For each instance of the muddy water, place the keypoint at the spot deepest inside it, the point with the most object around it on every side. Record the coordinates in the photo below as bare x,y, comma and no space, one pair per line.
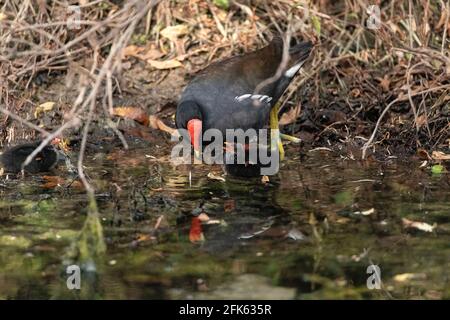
311,232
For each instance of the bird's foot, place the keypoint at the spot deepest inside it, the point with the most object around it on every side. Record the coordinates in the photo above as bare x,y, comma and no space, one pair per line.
280,149
276,142
290,138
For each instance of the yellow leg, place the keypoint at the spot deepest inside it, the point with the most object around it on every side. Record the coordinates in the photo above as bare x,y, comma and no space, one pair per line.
290,138
273,120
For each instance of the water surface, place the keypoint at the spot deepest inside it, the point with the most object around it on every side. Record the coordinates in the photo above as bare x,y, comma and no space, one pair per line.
311,232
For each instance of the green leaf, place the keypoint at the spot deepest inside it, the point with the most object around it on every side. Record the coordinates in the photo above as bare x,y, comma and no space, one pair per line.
344,198
224,4
437,168
316,24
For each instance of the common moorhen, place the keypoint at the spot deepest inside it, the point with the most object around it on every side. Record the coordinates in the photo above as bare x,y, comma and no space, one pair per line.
222,96
12,158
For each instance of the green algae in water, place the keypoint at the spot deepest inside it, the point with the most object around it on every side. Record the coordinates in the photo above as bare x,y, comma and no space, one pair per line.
54,230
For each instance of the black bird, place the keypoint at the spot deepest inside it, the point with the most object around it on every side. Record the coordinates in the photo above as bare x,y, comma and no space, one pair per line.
12,158
222,96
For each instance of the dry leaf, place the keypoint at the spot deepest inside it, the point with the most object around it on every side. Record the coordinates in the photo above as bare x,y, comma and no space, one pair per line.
157,123
290,116
409,276
52,182
158,222
44,107
137,114
151,54
423,154
418,225
442,19
355,92
167,64
138,52
144,237
423,164
132,51
203,217
173,32
421,120
365,212
385,83
216,221
212,176
246,9
439,155
425,28
295,234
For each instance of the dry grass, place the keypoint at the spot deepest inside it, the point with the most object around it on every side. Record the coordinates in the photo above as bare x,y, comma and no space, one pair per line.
36,37
389,84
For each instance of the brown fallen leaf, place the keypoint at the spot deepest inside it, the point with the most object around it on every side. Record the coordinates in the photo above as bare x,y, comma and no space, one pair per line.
173,32
133,51
418,225
439,155
134,113
423,154
151,54
56,181
166,64
144,238
421,120
290,116
138,52
403,277
156,123
365,212
385,83
442,19
52,182
355,93
213,176
44,107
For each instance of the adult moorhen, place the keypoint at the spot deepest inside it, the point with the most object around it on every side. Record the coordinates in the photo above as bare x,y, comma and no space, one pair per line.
11,159
222,96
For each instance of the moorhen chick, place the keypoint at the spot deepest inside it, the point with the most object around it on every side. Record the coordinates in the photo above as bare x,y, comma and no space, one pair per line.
11,159
222,95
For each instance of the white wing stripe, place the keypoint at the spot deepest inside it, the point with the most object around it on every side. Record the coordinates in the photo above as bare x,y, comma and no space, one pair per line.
261,98
293,70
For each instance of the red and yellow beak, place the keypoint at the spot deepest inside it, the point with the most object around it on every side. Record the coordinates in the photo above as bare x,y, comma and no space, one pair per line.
194,127
63,144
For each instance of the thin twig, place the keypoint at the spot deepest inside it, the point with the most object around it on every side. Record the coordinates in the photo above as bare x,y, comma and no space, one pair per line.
369,142
24,121
281,67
